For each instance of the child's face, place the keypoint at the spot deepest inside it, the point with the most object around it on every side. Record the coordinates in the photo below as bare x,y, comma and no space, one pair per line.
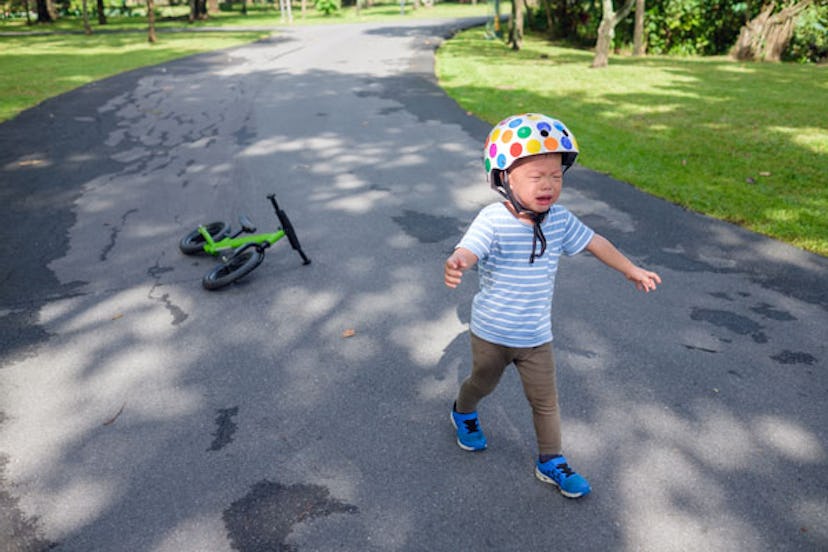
536,181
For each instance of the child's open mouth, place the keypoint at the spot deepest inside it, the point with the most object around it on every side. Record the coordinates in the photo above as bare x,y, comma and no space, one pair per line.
544,199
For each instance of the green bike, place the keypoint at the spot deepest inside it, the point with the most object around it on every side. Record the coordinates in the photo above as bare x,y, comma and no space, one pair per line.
239,254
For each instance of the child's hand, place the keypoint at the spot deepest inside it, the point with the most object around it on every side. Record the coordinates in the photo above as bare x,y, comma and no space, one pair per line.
644,280
460,261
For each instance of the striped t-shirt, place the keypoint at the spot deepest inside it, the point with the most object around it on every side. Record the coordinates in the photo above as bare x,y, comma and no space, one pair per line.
514,304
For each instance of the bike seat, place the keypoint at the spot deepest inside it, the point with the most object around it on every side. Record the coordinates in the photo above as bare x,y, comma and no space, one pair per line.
247,224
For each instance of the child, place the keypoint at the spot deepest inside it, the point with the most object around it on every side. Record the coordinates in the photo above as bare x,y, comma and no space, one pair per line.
517,244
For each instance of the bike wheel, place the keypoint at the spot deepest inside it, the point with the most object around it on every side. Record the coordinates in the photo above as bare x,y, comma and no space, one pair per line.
194,241
236,267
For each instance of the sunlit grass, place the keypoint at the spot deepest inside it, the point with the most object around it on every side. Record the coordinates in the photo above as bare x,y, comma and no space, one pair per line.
264,16
746,143
33,69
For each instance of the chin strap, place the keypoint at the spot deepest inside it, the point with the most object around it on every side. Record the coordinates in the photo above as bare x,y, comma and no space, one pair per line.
537,218
537,235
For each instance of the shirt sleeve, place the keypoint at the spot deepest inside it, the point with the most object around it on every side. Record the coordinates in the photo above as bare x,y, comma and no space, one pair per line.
479,237
577,235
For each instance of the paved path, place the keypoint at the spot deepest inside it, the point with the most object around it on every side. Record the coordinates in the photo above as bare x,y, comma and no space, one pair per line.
143,413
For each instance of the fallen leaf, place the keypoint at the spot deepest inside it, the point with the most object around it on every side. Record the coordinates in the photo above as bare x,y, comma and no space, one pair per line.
764,173
349,333
117,316
749,180
684,162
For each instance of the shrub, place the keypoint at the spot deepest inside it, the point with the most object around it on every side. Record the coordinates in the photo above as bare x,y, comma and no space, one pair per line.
327,7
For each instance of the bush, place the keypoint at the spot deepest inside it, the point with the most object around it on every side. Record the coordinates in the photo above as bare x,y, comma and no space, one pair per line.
809,43
327,7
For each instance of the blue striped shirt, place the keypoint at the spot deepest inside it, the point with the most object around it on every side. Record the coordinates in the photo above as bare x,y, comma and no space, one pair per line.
514,304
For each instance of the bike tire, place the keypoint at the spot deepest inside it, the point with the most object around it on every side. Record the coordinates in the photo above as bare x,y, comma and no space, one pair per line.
236,267
194,242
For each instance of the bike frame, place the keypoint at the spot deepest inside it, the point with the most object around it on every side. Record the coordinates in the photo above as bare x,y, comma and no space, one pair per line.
214,247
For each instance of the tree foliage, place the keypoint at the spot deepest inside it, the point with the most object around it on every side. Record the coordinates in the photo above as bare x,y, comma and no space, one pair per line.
685,27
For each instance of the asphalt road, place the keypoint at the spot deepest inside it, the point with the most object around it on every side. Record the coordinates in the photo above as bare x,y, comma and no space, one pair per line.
143,413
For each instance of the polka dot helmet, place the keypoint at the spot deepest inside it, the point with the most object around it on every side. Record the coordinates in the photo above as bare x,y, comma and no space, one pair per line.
525,135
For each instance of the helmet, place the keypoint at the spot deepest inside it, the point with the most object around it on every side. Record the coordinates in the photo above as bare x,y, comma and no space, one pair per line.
525,135
521,136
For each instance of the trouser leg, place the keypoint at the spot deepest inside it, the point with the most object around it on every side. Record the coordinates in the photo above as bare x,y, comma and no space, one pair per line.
488,362
536,367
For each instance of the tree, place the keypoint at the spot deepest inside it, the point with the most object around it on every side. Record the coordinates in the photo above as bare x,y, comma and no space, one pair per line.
606,30
516,28
766,36
198,10
638,29
87,30
548,9
45,11
101,13
151,38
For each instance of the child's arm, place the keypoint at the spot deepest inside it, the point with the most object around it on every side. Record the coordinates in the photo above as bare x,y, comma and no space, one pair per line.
644,280
462,259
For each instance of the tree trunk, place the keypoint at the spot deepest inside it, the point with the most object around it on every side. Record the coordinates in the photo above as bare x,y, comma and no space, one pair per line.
638,31
606,30
44,12
28,14
548,10
212,7
151,38
101,13
87,30
198,10
766,36
516,28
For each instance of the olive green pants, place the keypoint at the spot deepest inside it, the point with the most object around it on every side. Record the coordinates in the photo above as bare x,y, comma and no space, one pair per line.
536,367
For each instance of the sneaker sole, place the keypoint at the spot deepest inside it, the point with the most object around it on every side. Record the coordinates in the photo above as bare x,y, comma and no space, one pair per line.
546,479
461,445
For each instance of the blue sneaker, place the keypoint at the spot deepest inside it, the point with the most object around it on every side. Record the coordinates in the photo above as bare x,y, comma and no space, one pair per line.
557,472
469,434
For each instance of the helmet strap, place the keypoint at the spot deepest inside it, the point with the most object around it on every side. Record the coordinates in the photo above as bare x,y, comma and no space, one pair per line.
503,187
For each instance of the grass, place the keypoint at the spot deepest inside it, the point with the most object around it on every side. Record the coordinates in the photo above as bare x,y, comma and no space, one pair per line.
34,68
743,142
262,15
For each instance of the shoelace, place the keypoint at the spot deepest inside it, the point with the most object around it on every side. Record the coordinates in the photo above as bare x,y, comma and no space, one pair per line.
564,467
471,425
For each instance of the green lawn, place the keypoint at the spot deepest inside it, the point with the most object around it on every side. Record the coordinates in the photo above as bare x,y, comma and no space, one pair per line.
744,142
34,68
262,15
